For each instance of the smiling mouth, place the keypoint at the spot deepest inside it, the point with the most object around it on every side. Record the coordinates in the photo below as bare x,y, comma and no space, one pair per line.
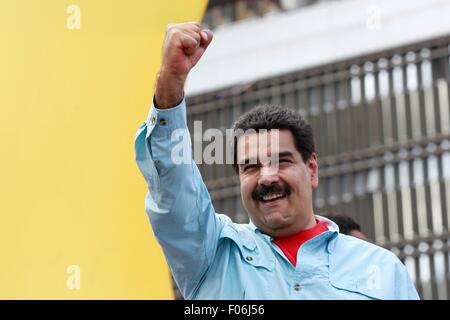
273,196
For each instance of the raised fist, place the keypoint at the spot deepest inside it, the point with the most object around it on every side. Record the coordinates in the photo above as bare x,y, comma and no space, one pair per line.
183,47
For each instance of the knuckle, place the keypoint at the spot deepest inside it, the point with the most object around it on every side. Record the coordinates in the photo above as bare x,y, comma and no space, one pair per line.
193,26
174,32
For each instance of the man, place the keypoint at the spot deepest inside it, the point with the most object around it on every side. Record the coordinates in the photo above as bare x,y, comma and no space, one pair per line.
286,252
347,226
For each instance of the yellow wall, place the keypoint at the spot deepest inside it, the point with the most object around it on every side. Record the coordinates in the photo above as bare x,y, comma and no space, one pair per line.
70,103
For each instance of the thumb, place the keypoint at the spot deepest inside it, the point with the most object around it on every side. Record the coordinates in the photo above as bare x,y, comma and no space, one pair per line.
206,38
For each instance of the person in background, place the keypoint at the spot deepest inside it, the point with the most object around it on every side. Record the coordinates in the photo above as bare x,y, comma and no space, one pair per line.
347,226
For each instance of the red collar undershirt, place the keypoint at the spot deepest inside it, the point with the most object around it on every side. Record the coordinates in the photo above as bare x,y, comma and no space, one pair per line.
291,244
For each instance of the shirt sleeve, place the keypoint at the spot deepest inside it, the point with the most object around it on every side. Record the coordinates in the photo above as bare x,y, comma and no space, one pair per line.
177,202
404,286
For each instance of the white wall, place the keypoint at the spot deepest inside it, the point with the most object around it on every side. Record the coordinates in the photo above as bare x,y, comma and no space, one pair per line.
285,42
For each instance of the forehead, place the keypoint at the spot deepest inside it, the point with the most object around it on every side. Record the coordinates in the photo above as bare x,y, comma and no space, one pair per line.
263,143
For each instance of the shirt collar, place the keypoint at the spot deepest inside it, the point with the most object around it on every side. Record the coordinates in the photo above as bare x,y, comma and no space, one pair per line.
332,232
331,225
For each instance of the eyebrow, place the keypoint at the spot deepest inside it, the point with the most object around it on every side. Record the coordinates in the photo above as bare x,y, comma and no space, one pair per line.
283,154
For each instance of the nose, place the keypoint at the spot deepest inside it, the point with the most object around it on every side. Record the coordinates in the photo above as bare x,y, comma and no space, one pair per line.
268,175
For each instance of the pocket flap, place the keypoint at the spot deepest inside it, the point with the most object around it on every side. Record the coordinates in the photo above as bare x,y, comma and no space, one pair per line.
248,247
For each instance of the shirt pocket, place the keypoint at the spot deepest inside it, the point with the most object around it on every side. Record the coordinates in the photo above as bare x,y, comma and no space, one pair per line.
353,292
249,251
365,283
255,268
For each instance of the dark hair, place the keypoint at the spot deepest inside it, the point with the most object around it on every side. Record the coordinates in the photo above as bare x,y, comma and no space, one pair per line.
345,223
276,117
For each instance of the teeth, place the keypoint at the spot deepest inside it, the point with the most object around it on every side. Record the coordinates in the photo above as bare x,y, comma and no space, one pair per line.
272,196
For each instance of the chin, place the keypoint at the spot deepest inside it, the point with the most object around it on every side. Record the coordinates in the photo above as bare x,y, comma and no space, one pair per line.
275,220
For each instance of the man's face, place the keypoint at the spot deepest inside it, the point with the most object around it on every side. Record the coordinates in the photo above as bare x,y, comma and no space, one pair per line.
276,185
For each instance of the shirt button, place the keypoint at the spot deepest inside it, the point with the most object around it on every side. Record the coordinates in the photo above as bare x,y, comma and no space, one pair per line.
297,287
249,258
156,162
162,122
153,120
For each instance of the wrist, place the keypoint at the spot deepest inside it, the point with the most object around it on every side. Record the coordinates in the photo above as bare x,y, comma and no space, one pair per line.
169,89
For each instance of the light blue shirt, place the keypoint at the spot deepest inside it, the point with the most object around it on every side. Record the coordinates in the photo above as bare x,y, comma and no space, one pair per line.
213,258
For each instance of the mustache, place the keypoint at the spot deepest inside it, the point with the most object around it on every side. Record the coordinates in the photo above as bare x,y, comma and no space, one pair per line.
263,190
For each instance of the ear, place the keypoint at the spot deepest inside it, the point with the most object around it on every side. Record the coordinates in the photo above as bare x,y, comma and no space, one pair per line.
313,169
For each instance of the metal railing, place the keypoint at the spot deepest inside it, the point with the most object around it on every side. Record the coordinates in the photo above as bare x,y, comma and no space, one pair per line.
382,130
